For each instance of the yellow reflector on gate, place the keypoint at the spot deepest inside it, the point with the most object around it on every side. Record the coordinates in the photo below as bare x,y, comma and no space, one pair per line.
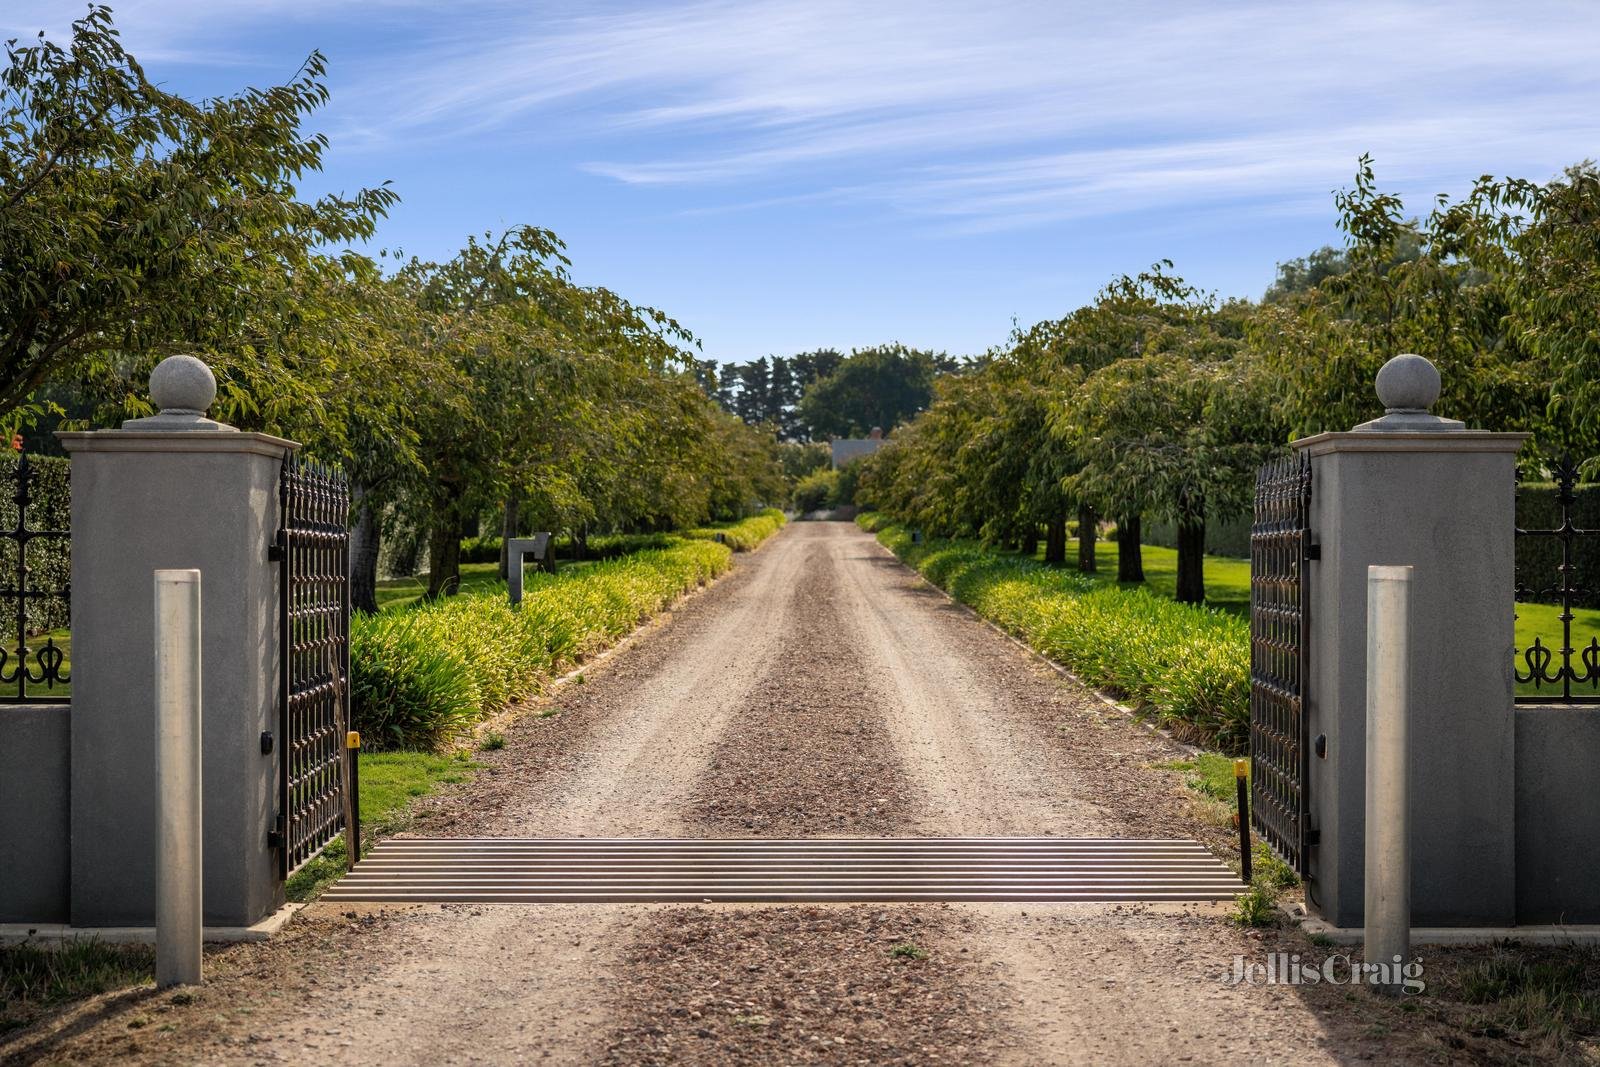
352,740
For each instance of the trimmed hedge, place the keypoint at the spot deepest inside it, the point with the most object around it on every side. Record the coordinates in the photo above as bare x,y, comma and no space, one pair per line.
740,536
422,677
49,558
1538,557
1187,666
744,535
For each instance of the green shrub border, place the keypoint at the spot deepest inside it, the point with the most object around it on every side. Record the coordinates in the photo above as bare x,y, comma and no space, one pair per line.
49,558
1187,667
745,535
422,678
1538,557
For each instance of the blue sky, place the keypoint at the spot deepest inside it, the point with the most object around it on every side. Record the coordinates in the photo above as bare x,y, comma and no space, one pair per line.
782,175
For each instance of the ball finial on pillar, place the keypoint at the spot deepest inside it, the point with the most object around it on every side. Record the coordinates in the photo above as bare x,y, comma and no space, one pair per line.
182,385
182,388
1407,387
1408,383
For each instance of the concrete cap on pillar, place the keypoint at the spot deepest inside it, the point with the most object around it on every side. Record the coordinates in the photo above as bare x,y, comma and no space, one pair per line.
1407,386
182,388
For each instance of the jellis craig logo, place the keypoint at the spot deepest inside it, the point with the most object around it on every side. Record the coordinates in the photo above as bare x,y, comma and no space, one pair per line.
1285,968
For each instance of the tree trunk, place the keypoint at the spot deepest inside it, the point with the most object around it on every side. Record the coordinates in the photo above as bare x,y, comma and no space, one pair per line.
407,552
1130,556
364,545
1086,536
1055,541
1192,561
1030,540
509,520
444,557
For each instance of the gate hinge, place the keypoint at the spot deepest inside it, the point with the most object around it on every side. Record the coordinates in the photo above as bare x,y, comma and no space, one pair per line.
275,835
1313,838
275,550
1313,552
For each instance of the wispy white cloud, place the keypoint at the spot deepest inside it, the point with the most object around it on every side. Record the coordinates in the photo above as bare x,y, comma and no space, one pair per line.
975,115
1070,108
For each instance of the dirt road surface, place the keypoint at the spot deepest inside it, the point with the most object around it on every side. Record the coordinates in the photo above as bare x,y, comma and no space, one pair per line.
822,689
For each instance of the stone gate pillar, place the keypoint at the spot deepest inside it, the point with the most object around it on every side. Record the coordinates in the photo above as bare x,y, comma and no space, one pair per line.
1412,488
173,490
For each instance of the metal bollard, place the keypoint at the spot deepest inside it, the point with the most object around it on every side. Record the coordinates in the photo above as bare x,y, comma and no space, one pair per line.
1387,935
352,798
1241,777
179,909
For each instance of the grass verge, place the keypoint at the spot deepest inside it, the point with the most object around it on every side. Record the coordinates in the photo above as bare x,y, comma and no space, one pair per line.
420,679
1188,667
390,781
744,535
34,979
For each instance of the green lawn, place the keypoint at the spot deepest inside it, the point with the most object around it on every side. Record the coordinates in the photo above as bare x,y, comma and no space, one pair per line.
1227,580
402,592
475,578
390,781
1228,587
63,640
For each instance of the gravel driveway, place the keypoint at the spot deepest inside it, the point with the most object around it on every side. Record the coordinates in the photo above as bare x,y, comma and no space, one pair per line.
821,689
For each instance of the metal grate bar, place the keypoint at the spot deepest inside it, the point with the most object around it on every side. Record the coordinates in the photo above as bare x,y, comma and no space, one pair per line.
593,870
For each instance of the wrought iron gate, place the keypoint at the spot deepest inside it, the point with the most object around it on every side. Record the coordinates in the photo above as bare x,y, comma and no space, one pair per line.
313,546
1280,548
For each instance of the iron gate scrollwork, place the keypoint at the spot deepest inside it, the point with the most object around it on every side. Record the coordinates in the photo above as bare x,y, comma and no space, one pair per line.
1280,549
313,548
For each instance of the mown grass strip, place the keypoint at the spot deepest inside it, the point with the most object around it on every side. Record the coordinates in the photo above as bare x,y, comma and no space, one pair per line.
390,782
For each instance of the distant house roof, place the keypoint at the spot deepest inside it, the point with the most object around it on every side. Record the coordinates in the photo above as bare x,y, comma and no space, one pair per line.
846,449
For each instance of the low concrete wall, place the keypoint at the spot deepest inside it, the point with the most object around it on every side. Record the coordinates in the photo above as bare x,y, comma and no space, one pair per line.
35,813
1558,809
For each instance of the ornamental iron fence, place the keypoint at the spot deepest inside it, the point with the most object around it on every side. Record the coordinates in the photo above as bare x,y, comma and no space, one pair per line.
35,580
1566,667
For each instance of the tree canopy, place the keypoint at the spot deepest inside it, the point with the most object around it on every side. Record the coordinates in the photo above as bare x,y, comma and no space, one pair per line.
134,220
872,387
135,223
